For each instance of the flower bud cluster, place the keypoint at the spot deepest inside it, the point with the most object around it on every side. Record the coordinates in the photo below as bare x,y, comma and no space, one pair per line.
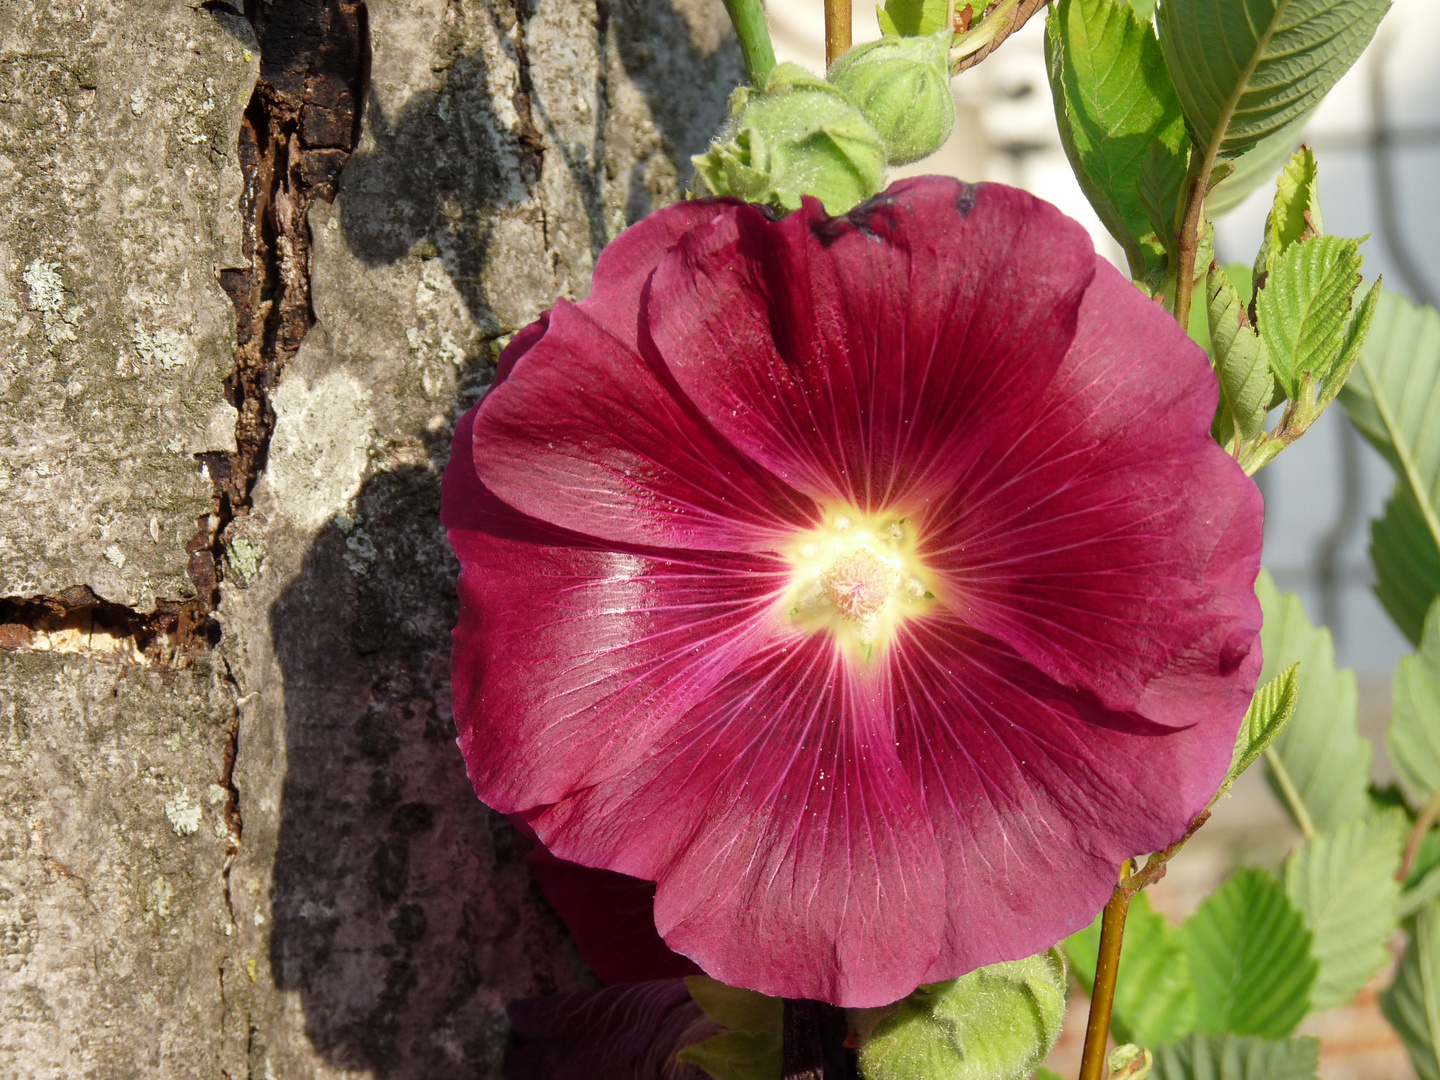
885,102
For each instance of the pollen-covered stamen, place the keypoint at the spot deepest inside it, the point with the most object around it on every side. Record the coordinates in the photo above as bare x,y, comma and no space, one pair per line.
856,577
859,584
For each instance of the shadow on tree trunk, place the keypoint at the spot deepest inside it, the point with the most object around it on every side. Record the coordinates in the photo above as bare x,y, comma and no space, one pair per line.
403,914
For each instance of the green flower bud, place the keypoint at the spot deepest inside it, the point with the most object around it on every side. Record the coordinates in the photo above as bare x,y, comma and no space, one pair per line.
902,85
1130,1062
997,1023
797,136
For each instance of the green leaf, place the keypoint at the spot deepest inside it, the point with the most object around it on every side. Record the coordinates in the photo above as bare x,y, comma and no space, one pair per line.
1413,737
1344,885
1407,564
752,1048
1244,69
1160,187
1113,100
1224,1057
1255,167
1394,398
1241,362
1304,307
913,18
1154,1000
996,1023
1412,1003
1296,213
1270,710
1250,960
1320,749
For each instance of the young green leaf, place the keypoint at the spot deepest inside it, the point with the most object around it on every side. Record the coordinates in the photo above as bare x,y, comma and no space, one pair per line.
913,18
1225,1057
1412,1003
1406,561
1344,885
1321,751
1250,959
1304,307
1394,398
1255,167
752,1047
1244,69
1241,362
1154,1001
1413,738
1295,216
1270,710
1113,100
1160,187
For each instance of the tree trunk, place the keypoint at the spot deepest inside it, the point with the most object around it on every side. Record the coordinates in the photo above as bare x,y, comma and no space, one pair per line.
252,268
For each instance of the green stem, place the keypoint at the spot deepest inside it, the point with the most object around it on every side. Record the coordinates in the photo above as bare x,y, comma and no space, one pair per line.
1292,796
748,18
837,30
1102,993
1402,450
1423,824
1191,226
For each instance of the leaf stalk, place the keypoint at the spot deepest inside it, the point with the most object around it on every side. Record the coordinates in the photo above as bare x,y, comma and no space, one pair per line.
1291,793
1422,825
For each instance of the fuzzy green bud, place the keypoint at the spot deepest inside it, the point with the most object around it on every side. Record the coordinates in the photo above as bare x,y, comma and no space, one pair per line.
797,136
1130,1062
902,85
997,1023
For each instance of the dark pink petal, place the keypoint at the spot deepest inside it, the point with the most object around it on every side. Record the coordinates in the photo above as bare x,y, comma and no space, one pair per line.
1034,793
855,357
571,659
625,265
1110,542
523,341
628,1032
612,917
584,434
791,847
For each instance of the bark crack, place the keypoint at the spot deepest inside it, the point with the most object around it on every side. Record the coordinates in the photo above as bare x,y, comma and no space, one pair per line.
300,127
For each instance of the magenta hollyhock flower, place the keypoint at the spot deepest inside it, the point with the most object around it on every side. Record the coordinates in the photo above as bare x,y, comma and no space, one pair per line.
871,584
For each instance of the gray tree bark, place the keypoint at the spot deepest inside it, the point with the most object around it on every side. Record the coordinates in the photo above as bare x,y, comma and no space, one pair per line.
253,265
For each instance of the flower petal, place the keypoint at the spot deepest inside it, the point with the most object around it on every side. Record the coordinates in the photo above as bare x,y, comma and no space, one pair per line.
791,850
583,434
627,1032
1035,795
610,915
570,658
854,357
1109,540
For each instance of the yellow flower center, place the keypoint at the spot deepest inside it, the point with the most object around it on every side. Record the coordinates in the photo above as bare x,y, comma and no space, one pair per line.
857,577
